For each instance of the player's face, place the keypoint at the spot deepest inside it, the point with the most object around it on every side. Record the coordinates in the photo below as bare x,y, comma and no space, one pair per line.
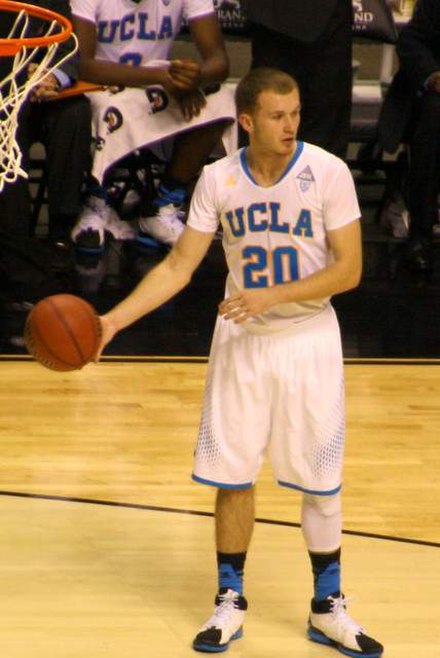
273,126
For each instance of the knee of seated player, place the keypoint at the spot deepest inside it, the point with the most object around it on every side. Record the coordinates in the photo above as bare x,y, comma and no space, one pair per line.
324,505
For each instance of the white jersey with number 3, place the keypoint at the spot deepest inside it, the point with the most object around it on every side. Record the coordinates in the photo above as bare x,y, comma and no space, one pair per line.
276,234
137,32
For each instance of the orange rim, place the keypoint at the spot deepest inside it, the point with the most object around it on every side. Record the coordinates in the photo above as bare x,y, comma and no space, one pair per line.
11,46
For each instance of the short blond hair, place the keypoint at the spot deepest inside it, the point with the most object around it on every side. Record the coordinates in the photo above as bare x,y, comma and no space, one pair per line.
258,80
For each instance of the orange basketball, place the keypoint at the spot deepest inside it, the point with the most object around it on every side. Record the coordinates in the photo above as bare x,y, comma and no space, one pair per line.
63,332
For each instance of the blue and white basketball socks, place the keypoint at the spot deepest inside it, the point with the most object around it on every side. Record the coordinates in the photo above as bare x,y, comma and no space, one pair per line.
226,623
326,574
230,571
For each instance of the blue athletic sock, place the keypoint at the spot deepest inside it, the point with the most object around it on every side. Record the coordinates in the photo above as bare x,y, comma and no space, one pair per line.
230,571
326,574
170,192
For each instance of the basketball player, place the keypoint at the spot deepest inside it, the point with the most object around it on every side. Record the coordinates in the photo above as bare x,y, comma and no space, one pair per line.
127,43
291,235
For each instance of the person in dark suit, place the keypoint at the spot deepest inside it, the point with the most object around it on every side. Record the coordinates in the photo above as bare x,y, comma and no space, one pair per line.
312,41
411,114
64,127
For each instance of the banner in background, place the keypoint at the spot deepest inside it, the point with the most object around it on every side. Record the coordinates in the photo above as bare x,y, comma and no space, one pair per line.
372,19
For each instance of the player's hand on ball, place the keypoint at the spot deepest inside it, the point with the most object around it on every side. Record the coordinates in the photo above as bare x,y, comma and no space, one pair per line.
109,330
246,304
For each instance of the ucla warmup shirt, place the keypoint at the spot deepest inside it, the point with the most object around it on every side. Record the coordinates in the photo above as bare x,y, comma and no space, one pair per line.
276,234
137,32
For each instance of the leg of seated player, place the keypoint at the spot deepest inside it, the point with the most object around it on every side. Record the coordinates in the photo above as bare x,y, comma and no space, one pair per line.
234,522
15,198
68,149
97,218
423,182
191,151
329,622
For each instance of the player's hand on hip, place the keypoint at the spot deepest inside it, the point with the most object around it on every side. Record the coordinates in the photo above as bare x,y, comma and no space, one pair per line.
246,304
109,330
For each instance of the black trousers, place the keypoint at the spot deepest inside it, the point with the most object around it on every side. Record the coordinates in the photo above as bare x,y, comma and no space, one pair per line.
64,127
323,70
424,168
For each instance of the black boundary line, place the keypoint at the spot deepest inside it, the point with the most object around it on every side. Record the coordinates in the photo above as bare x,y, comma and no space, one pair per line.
172,510
204,359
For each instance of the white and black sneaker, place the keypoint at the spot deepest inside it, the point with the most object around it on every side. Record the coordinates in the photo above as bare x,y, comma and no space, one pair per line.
226,623
330,624
96,219
165,226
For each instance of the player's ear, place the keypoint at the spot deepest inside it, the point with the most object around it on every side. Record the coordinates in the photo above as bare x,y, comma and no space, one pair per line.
246,122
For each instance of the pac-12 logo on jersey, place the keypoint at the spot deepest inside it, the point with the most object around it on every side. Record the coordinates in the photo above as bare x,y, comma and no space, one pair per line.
306,178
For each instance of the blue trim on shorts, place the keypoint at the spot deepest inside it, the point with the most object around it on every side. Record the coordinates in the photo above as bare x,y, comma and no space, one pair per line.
312,492
221,485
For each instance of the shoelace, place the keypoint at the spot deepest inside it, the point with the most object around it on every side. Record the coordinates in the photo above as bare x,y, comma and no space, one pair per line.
223,610
342,618
169,216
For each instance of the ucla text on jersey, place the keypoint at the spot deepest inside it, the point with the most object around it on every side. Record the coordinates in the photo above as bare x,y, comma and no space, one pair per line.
263,216
134,26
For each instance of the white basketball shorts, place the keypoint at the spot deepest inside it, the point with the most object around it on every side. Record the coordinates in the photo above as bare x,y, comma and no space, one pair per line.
281,393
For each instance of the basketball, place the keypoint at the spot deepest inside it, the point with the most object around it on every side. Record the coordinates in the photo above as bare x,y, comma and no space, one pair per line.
63,332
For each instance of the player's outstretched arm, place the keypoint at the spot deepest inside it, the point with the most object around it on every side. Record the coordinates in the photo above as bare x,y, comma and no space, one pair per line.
159,285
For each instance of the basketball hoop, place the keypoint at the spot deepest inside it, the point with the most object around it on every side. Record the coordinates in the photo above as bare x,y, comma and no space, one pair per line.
15,87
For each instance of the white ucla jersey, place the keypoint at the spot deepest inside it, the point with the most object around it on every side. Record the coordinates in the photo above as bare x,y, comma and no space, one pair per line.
136,32
276,234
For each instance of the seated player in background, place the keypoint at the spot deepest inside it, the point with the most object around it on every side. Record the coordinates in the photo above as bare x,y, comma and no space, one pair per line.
292,239
64,127
128,44
411,113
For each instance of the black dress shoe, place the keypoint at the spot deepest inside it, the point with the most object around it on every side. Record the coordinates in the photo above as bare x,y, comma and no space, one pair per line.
419,256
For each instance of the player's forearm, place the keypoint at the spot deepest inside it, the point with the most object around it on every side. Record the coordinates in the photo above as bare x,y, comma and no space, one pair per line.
332,280
157,287
113,73
214,69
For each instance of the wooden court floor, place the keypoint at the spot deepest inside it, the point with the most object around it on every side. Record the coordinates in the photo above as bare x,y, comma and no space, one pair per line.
107,544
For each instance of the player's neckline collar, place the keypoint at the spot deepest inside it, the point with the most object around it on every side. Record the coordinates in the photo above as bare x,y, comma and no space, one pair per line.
299,149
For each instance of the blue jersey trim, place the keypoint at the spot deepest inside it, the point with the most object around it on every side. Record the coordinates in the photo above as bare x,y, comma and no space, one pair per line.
244,164
221,485
299,149
312,492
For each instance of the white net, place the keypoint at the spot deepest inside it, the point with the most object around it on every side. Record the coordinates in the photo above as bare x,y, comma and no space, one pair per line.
29,66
